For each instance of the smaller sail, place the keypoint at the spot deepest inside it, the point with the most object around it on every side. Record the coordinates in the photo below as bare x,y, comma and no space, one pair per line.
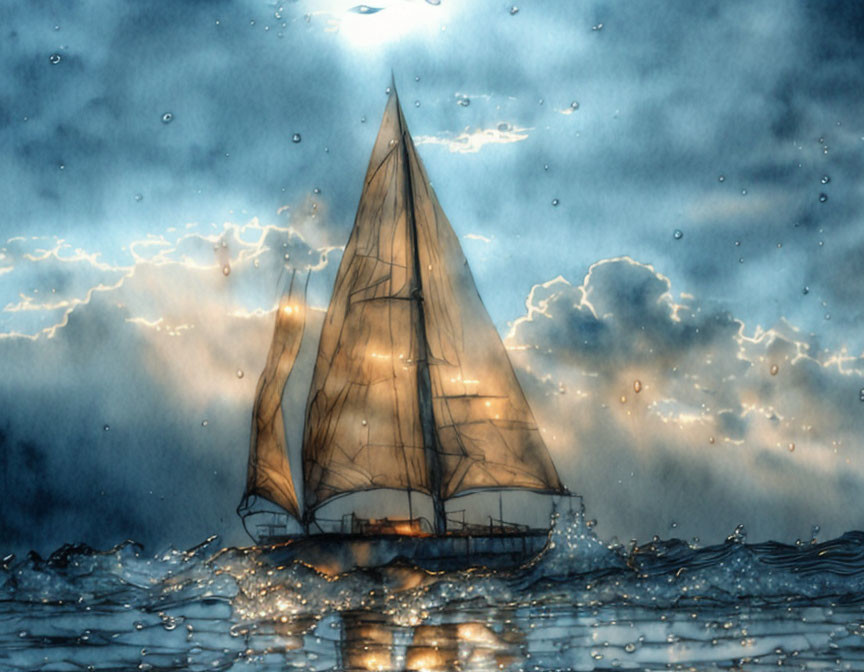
269,471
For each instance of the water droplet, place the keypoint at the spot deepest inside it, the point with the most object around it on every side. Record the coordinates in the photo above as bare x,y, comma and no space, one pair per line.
546,166
555,201
296,138
61,167
775,369
54,59
106,428
574,105
363,119
363,422
740,260
861,394
743,192
416,103
240,373
139,197
316,190
287,256
387,91
677,234
623,399
823,197
514,10
637,386
827,316
503,126
805,290
737,243
739,535
825,179
167,118
598,27
204,423
417,78
711,439
464,101
791,447
629,647
721,178
226,270
673,525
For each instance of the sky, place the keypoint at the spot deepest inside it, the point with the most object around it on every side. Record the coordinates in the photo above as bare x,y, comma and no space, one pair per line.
660,202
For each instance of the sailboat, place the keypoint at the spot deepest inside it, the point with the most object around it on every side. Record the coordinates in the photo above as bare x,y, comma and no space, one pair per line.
412,391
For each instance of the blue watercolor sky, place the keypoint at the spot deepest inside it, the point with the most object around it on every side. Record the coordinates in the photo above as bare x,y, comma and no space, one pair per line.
148,145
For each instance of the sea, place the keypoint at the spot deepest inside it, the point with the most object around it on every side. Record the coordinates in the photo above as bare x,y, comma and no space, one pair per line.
581,604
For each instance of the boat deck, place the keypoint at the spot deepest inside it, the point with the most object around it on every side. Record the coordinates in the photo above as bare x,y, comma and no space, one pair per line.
334,553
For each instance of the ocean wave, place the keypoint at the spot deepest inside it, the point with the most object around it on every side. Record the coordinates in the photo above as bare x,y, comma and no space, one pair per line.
665,602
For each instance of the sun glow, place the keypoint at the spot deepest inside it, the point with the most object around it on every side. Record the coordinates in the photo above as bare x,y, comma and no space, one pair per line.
384,21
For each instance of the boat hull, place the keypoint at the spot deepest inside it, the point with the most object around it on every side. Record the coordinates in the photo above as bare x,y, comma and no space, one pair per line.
337,553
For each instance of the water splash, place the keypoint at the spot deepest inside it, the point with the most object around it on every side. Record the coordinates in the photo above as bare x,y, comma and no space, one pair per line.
581,604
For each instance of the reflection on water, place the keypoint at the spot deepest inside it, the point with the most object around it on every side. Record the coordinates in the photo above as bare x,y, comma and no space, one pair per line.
579,606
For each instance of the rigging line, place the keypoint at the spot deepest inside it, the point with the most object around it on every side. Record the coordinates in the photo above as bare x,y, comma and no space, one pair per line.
445,405
424,388
383,161
395,387
439,485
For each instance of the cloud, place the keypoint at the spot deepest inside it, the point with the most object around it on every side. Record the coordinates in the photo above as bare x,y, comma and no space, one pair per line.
646,397
761,94
471,142
134,397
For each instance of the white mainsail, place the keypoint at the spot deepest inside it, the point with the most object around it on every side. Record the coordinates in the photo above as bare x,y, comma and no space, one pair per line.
363,426
412,386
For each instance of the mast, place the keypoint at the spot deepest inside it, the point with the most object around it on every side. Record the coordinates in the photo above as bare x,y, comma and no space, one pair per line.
424,383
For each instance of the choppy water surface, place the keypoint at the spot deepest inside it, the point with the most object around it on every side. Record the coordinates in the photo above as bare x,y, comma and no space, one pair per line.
580,605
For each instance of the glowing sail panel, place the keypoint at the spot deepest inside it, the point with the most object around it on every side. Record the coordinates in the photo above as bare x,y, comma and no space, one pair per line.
487,435
269,471
372,401
363,417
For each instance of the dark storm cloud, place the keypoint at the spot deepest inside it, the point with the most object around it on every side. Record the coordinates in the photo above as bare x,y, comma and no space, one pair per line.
693,416
624,311
128,404
98,112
